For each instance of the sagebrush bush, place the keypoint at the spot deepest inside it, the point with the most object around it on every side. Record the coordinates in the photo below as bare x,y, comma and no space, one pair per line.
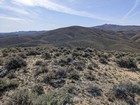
1,62
15,62
5,52
89,76
41,70
22,55
32,52
38,62
94,91
103,60
74,75
46,55
26,97
124,89
53,98
38,89
71,89
127,62
21,97
127,91
56,78
7,84
79,65
64,62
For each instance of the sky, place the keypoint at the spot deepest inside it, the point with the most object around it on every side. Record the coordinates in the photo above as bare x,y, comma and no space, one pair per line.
35,15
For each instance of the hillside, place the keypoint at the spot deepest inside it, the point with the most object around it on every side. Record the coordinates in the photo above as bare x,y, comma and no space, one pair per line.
75,36
129,32
118,27
136,38
70,66
62,76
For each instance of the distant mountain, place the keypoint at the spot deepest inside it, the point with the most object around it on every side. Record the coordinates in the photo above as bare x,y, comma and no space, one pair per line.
75,36
118,27
128,32
21,33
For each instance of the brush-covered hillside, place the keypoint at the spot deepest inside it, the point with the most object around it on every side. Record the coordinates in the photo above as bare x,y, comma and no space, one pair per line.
62,76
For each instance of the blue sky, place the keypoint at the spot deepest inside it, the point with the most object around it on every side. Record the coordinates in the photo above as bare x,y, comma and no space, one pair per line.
25,15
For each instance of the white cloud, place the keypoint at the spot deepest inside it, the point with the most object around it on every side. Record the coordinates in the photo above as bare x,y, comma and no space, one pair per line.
137,2
25,2
134,14
14,9
10,18
60,8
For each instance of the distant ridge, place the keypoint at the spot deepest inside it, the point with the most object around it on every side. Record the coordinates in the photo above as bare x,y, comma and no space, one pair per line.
77,36
118,27
22,33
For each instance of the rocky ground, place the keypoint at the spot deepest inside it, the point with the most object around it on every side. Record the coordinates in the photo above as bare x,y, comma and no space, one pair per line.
62,76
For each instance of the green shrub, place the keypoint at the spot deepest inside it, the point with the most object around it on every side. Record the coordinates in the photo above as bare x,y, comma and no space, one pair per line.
11,75
89,76
38,63
127,92
38,89
120,54
47,55
53,98
7,84
5,52
125,89
91,67
21,97
86,55
22,55
64,62
79,65
71,89
74,75
1,62
40,70
127,62
15,62
103,58
33,52
56,78
94,91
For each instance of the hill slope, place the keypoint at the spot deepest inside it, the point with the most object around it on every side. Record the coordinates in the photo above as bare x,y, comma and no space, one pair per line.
75,36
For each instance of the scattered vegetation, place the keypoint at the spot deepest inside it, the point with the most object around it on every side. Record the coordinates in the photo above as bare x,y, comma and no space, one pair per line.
127,62
53,98
62,76
7,85
127,91
21,97
15,62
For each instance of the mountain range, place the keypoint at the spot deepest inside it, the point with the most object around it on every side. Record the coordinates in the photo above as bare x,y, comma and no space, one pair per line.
103,37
